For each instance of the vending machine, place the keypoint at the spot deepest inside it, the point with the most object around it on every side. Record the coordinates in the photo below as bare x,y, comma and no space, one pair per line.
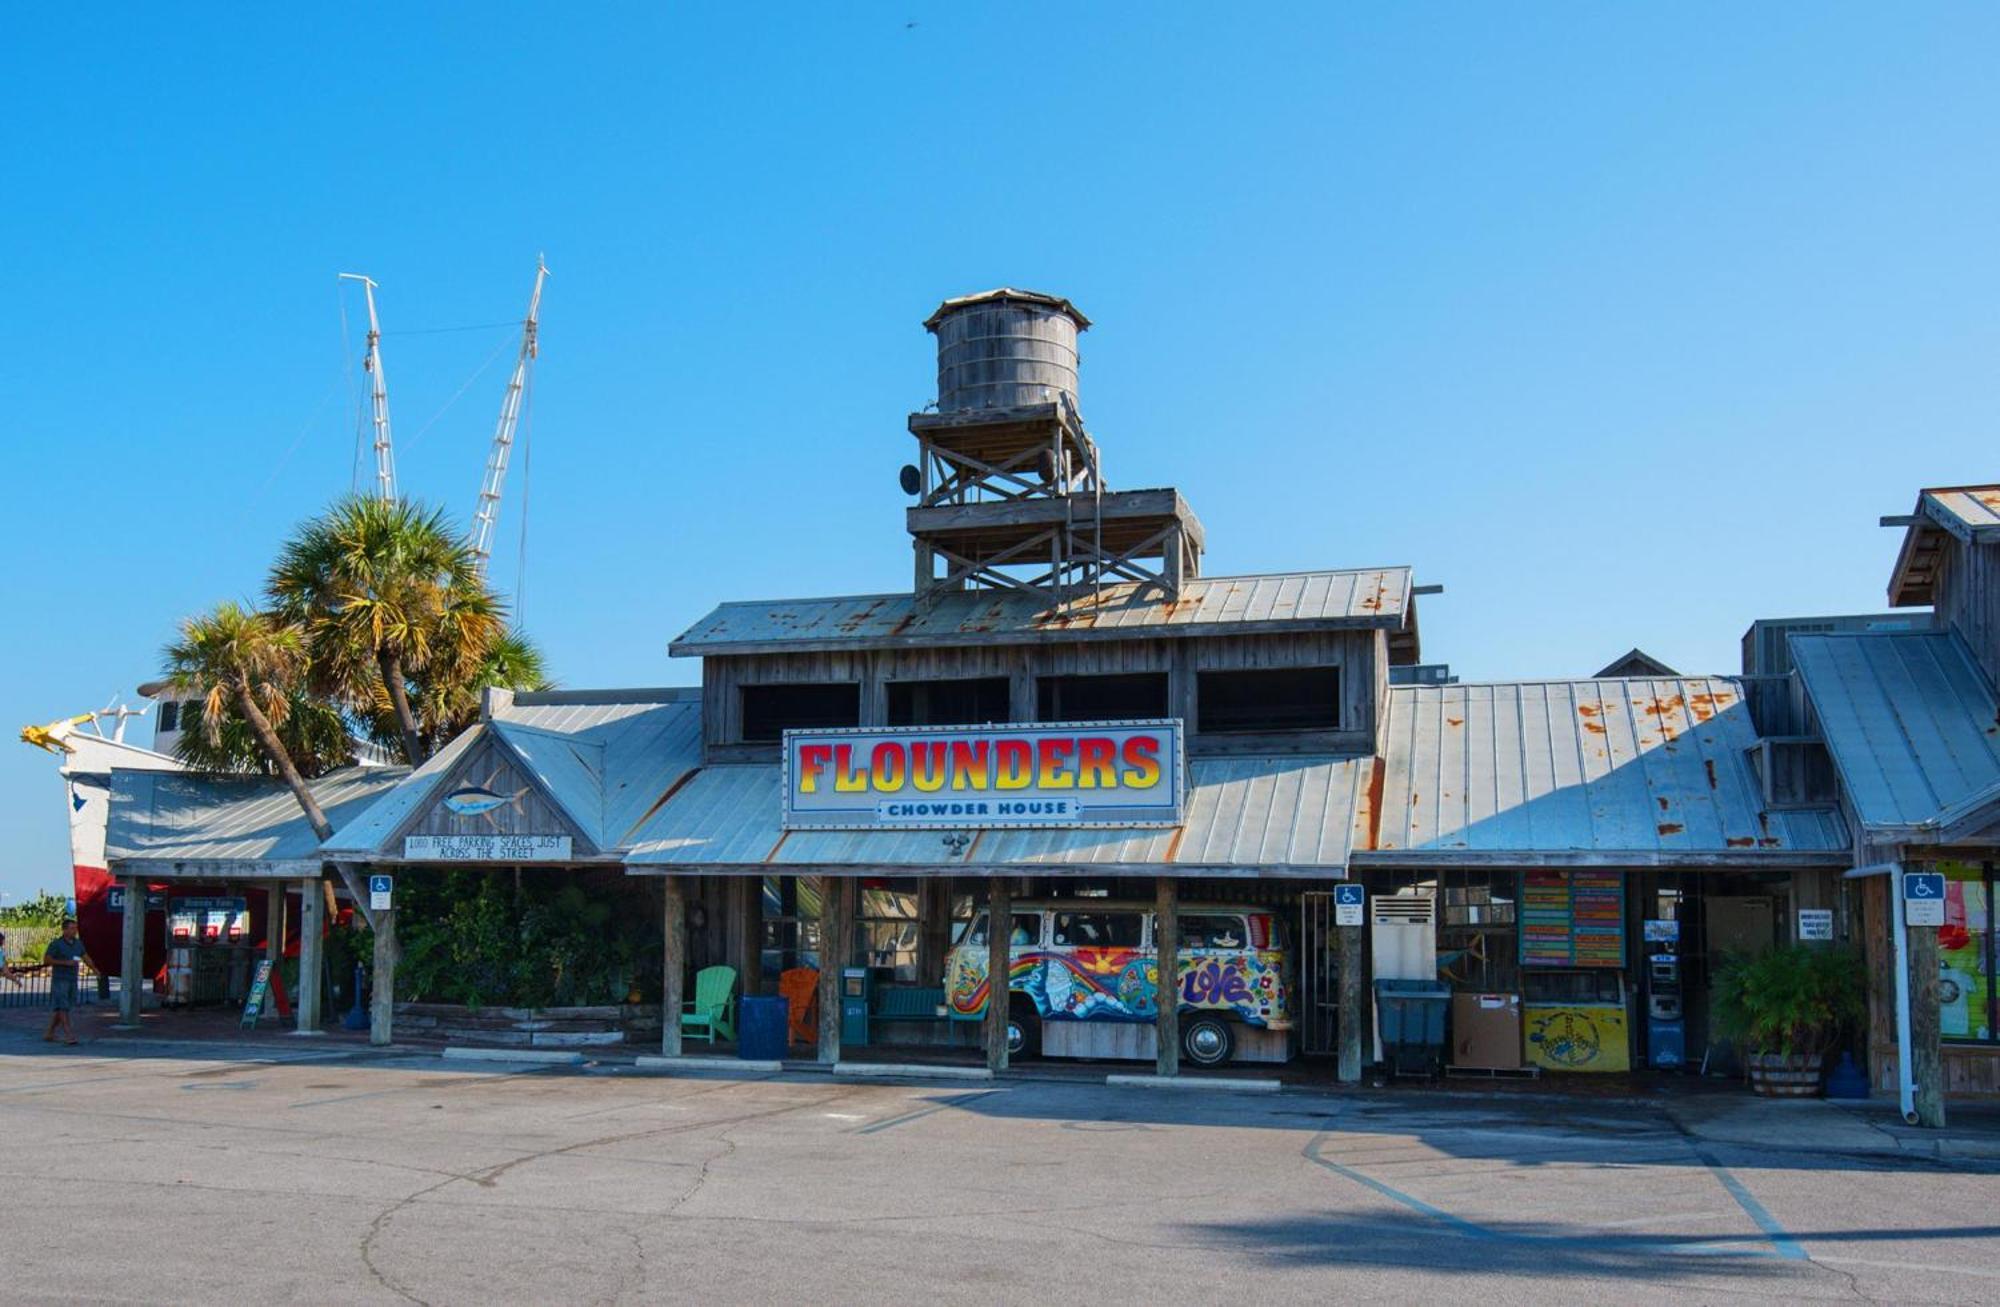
1666,1022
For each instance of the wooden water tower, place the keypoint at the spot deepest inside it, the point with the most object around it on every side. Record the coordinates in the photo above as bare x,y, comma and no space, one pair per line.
1010,486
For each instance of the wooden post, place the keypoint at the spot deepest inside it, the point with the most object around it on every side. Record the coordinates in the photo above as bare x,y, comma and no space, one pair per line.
999,968
748,925
1926,1044
1352,1012
673,963
934,899
132,953
1167,950
836,947
274,925
382,1003
312,925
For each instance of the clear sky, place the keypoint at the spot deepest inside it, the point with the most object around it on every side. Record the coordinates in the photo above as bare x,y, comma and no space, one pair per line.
1623,324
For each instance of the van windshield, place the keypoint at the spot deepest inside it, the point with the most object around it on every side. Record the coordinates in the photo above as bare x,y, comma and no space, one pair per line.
1027,929
1098,929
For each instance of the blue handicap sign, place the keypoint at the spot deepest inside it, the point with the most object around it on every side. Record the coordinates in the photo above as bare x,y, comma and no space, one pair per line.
381,884
1923,885
1349,896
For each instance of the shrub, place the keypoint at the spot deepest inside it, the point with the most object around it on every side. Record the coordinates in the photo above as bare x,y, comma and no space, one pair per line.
1802,998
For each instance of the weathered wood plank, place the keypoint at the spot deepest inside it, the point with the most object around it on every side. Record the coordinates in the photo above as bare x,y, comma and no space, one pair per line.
1167,947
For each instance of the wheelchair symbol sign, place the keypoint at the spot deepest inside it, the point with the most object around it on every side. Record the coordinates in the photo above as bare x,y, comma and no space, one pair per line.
1923,885
1923,898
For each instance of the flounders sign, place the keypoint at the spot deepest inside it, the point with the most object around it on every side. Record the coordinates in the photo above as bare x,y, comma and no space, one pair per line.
966,777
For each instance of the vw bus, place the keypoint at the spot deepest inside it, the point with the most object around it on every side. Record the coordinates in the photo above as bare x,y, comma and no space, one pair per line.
1085,980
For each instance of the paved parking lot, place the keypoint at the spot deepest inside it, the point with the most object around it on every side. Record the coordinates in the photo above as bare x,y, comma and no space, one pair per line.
182,1174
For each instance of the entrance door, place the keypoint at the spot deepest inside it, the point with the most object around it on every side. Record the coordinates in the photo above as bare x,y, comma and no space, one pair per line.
1319,975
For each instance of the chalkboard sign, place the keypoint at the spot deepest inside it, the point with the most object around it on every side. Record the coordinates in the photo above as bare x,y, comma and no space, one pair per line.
1573,919
260,990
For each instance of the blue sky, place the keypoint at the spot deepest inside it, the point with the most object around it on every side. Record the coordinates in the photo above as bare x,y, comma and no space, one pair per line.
1622,324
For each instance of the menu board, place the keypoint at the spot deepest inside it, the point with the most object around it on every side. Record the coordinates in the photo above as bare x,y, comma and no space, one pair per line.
1573,919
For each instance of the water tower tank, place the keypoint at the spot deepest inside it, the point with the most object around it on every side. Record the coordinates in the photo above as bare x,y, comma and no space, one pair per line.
1005,348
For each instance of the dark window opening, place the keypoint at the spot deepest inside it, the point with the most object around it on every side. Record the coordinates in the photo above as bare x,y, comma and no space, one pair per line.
1285,699
1101,698
771,710
169,715
948,703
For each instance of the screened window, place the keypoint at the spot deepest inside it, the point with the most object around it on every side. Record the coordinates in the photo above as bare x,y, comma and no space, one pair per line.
1098,929
1282,699
1966,998
969,702
771,710
1101,698
1027,929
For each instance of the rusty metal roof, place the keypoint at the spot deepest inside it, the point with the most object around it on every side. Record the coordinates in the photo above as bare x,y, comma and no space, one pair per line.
1364,598
180,823
1001,294
1279,816
1628,771
1913,728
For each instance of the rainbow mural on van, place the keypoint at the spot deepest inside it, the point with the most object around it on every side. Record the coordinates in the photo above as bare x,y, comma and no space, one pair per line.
1122,984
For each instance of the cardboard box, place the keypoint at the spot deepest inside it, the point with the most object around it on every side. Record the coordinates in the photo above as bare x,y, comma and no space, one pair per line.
1486,1031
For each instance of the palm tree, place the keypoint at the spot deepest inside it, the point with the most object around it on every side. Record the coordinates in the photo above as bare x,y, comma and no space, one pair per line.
386,592
313,731
250,664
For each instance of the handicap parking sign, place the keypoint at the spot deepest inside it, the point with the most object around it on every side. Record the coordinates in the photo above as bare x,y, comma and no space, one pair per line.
1923,898
380,891
1348,900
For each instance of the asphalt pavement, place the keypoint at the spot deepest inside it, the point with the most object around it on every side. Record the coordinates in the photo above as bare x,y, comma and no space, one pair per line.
178,1173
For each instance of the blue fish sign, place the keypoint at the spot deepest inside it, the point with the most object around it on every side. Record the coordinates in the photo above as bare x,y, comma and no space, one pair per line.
477,800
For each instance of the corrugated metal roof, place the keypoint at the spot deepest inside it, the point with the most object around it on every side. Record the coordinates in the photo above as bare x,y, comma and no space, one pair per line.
1003,293
1652,769
371,828
1911,723
182,817
1372,597
1971,513
1281,815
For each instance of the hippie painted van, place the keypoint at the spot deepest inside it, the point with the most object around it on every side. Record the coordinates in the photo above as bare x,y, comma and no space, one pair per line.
1086,977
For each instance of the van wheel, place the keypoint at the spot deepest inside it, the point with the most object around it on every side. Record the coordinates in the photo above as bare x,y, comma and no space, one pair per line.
1208,1041
1024,1030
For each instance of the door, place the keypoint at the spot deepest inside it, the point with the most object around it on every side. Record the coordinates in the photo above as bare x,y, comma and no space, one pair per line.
1319,975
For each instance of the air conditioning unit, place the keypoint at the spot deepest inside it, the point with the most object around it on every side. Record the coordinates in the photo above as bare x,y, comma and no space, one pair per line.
1402,935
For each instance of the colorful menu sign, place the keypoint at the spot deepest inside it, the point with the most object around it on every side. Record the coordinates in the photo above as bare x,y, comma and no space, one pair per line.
1573,919
968,777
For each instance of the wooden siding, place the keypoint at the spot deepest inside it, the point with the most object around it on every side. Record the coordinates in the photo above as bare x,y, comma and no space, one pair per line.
1968,600
530,815
1360,656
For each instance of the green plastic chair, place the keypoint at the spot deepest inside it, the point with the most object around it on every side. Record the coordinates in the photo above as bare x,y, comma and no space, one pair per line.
714,1000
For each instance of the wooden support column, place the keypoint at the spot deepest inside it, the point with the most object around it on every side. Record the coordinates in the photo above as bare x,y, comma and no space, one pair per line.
132,953
673,963
382,1003
312,954
1167,947
836,947
1351,1014
1926,1040
274,924
934,900
749,927
999,968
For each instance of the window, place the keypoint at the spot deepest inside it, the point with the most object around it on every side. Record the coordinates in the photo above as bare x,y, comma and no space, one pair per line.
1286,699
1097,929
791,923
1966,997
886,930
771,710
1206,931
948,703
1027,929
169,716
1477,941
1101,698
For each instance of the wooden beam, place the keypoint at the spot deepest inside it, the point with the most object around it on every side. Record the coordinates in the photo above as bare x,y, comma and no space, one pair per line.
382,1002
1352,997
836,948
1903,519
274,924
673,963
1926,1041
1167,947
132,953
999,968
749,927
312,954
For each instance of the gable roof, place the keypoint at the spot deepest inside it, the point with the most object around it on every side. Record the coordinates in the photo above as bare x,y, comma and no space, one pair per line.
1634,662
181,823
1969,514
1913,729
1369,598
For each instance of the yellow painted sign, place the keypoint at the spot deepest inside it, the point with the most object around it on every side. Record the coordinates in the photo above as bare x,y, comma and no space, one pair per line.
1578,1037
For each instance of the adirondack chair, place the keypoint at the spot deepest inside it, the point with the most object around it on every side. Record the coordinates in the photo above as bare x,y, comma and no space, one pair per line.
800,989
713,1005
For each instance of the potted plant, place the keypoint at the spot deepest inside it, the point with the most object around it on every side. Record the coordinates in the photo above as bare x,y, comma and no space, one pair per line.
1787,1009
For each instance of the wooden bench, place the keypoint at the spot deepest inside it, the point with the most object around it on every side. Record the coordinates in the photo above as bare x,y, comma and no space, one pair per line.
907,1004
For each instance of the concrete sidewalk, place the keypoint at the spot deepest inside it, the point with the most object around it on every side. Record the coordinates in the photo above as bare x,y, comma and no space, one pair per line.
1854,1127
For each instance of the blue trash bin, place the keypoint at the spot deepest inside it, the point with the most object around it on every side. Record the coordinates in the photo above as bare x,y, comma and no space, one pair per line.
1412,1017
760,1029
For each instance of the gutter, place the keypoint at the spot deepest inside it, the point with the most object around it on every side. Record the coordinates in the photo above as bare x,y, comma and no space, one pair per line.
1906,1089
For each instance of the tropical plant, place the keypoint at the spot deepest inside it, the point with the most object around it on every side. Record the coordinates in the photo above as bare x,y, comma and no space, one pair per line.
1800,999
313,731
45,909
387,594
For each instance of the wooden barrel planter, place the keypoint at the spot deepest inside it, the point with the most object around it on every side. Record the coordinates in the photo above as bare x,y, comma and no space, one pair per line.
1785,1075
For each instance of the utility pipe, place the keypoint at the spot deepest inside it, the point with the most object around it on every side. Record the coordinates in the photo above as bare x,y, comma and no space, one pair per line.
1906,1087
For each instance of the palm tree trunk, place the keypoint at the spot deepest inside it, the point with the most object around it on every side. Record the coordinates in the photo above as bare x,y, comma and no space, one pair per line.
281,758
399,698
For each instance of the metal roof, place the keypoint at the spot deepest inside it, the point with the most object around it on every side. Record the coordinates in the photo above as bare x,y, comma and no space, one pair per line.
1972,513
1969,514
1627,771
1913,728
604,758
1273,816
229,824
1364,598
1004,293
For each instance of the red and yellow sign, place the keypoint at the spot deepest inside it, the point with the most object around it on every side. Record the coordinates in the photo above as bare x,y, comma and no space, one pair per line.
962,777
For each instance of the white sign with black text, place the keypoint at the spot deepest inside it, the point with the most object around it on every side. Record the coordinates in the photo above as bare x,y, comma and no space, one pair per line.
1815,924
486,848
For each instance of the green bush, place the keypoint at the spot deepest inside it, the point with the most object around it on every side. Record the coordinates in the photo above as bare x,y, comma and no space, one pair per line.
1802,998
44,909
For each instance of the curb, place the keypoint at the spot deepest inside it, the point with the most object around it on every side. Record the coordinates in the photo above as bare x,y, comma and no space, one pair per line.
656,1062
1198,1083
911,1071
542,1056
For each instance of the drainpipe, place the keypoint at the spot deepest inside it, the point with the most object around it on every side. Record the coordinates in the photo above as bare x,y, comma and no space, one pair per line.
1906,1087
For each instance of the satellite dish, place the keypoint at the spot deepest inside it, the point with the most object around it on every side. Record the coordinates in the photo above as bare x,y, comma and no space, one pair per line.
913,480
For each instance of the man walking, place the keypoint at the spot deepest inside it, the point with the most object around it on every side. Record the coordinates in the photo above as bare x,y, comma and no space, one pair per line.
62,958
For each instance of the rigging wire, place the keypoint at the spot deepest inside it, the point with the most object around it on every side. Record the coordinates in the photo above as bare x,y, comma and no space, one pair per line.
527,480
439,331
347,364
481,371
293,448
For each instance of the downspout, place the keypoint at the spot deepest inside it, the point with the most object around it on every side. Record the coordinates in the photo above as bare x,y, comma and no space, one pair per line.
1906,1088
